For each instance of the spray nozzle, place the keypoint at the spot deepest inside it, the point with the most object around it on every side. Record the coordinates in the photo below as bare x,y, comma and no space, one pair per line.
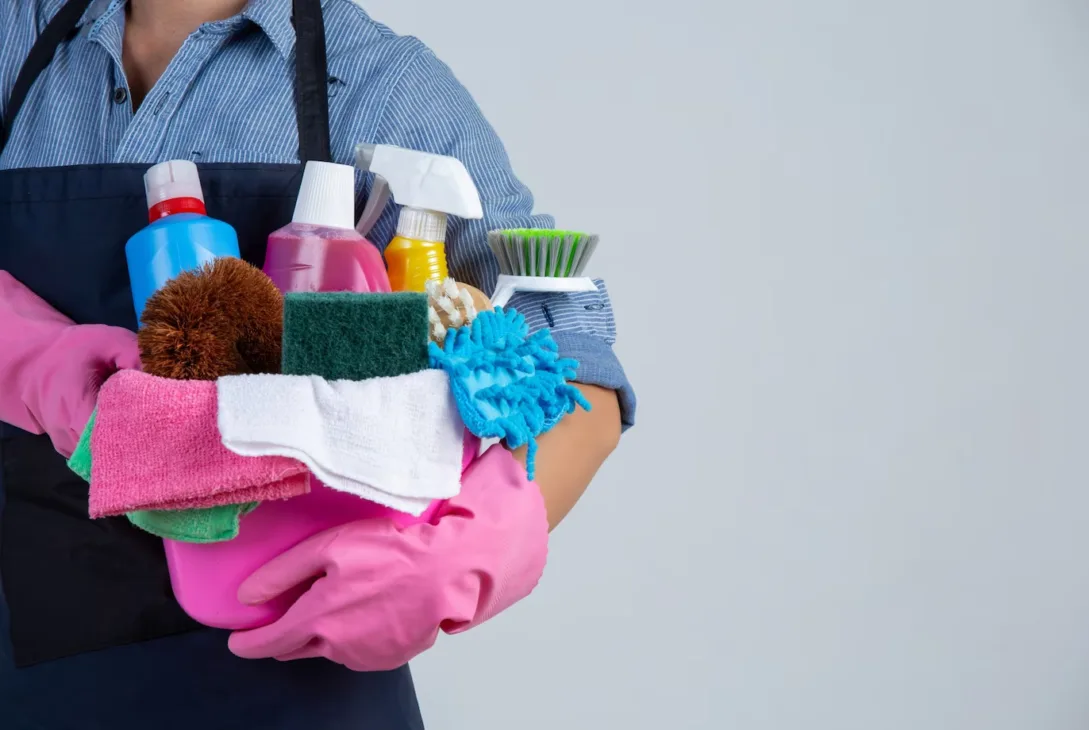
416,180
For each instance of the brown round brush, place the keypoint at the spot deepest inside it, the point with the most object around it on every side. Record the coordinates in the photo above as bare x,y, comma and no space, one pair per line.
226,318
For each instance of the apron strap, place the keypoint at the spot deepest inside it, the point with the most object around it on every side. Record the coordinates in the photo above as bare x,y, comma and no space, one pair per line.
311,82
311,73
41,55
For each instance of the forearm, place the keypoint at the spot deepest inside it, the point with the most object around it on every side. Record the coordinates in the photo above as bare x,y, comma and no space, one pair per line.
570,454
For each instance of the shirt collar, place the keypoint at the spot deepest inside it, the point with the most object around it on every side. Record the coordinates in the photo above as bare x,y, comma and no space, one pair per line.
271,16
96,10
274,18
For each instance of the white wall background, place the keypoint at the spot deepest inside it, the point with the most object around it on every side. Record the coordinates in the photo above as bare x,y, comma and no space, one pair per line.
848,244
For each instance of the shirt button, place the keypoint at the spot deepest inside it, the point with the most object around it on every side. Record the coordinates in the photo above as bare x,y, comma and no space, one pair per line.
120,96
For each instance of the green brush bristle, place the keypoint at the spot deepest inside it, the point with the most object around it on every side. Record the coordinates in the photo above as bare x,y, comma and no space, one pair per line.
541,251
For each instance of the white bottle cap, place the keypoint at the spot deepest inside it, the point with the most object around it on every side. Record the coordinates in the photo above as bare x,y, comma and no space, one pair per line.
327,196
172,180
422,225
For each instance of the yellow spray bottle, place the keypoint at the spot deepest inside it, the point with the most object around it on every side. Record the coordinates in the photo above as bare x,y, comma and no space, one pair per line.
429,188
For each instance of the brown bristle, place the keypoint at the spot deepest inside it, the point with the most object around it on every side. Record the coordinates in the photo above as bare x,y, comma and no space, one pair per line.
226,318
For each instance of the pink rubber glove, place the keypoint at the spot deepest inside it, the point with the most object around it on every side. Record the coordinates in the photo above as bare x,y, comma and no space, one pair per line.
382,593
51,368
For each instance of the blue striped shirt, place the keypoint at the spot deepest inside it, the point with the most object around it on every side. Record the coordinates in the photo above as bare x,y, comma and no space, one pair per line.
228,97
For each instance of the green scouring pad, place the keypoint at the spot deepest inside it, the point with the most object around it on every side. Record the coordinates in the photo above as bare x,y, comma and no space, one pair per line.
347,336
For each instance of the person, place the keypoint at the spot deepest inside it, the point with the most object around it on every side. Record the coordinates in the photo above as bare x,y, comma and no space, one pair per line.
91,93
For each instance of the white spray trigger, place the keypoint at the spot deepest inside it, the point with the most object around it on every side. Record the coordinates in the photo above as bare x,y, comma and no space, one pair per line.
376,203
421,180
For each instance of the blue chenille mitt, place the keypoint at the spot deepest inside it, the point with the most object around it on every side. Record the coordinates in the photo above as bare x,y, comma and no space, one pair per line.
508,384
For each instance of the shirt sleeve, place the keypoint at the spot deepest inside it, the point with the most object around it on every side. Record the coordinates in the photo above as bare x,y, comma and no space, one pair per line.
430,110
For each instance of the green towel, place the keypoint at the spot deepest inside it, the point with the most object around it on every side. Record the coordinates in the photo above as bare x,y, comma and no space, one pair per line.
214,524
80,460
346,336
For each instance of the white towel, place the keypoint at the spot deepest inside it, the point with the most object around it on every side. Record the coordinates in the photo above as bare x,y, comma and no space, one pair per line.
395,441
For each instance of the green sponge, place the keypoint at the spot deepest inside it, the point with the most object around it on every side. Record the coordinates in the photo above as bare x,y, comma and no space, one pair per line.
346,336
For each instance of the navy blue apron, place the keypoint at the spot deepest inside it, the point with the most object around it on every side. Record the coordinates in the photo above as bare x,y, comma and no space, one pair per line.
90,633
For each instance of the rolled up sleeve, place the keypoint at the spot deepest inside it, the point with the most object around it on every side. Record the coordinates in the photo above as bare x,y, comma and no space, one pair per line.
431,110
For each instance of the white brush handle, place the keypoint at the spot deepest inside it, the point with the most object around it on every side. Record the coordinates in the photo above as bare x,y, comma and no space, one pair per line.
507,285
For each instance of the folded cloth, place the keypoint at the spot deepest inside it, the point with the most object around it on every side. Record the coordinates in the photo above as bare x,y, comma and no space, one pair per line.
155,446
214,524
396,441
80,460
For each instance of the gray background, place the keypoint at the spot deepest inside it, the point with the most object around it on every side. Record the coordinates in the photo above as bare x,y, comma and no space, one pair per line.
848,245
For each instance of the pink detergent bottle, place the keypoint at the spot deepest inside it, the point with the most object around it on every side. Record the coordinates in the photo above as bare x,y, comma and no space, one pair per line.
320,250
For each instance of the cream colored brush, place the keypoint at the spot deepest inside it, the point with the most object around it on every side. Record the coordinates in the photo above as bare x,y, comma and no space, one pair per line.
452,304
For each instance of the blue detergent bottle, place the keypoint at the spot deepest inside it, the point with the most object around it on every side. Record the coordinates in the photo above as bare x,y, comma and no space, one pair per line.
180,237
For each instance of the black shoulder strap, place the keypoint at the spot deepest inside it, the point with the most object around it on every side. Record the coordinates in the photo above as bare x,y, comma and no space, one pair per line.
41,54
311,73
311,82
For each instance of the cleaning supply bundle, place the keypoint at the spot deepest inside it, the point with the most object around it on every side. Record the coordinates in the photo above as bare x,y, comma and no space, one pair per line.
541,260
348,336
280,404
378,437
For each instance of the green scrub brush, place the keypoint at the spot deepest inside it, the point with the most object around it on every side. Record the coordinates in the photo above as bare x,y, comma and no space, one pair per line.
541,260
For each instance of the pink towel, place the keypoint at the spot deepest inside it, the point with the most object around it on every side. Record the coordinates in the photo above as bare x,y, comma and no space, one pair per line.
156,446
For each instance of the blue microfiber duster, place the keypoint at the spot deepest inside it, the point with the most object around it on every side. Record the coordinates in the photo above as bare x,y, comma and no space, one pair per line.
508,384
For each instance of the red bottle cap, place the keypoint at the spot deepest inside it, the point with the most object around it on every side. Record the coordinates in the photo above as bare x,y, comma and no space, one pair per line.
175,205
173,187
